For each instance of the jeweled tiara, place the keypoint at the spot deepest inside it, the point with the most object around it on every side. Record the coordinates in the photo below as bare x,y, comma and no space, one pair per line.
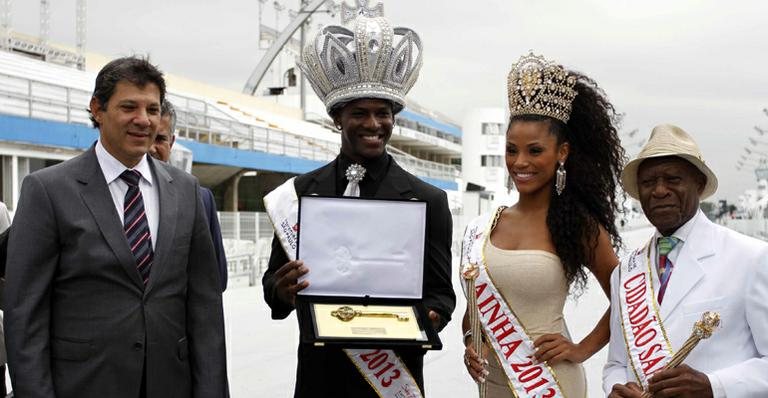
540,87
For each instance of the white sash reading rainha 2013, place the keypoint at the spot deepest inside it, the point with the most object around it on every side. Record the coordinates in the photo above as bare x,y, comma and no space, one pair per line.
646,340
506,334
382,369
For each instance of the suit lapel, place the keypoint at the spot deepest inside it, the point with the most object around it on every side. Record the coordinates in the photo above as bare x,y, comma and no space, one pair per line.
689,267
98,199
395,184
323,181
166,229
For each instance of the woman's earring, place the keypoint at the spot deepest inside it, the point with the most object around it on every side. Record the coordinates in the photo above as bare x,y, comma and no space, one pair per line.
560,178
510,184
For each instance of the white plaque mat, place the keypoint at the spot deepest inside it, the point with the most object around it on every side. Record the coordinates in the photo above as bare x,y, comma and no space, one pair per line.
358,247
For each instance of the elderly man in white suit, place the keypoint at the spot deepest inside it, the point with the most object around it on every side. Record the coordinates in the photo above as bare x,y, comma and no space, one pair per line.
688,267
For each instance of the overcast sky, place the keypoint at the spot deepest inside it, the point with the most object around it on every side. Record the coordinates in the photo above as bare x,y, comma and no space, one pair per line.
702,65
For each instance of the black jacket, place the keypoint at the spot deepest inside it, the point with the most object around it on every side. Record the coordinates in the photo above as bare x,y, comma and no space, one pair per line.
328,372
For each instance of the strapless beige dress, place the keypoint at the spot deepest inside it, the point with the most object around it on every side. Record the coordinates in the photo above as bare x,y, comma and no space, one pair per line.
534,285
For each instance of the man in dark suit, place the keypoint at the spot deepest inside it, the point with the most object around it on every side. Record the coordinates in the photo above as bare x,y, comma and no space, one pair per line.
364,111
161,150
112,291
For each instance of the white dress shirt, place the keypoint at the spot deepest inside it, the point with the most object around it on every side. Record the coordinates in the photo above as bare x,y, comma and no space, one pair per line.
112,168
5,217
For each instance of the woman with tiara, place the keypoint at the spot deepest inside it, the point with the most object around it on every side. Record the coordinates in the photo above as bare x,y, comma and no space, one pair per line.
564,157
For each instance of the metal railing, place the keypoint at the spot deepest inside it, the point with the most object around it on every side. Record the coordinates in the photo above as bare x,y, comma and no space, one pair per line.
35,99
422,167
245,225
197,119
755,227
204,122
51,54
247,242
242,265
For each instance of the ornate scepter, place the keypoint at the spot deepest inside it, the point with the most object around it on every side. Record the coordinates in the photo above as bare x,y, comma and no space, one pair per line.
470,274
702,329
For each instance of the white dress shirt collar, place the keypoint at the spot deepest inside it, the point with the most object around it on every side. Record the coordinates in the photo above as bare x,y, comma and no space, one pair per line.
681,234
684,231
112,168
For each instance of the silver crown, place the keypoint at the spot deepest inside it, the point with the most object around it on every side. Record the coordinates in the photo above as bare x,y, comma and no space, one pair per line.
372,61
540,87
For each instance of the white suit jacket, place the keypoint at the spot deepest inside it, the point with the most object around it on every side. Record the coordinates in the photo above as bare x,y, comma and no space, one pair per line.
716,270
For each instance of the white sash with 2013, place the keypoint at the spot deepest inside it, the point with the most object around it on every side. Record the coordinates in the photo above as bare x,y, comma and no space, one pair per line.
382,369
646,340
509,340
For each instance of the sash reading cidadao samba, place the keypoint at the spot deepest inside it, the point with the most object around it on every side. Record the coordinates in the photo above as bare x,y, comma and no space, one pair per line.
646,340
509,340
382,369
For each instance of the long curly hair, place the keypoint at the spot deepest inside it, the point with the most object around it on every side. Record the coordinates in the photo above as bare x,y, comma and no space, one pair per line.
593,169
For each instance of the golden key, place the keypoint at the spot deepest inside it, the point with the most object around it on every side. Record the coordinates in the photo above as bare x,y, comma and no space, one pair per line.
347,313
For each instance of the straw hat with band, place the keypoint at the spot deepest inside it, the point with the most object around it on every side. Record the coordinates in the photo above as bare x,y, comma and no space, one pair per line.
668,140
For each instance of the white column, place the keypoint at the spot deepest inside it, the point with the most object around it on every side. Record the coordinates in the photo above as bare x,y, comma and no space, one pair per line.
14,182
236,223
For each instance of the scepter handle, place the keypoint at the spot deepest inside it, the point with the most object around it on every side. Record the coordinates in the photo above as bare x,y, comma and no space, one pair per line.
702,329
474,323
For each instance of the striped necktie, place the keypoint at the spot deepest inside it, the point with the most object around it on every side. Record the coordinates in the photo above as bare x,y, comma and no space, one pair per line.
136,226
665,245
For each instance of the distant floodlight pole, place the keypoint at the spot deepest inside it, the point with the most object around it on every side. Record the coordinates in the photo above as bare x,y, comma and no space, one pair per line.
279,74
5,24
278,9
45,21
261,69
261,22
302,79
81,31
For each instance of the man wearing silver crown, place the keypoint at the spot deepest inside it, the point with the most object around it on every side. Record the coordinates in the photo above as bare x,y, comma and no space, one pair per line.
689,267
362,76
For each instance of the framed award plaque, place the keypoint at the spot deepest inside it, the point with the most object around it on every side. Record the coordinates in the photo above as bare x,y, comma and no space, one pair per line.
366,262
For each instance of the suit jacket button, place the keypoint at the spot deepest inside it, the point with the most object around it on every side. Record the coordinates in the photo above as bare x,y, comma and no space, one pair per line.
137,346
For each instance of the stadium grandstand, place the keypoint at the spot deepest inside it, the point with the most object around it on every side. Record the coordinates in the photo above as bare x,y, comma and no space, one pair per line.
239,145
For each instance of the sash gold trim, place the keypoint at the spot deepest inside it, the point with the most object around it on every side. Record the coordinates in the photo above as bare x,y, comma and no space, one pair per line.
660,340
394,381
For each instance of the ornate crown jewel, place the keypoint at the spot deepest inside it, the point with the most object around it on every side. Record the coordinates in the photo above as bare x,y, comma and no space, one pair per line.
372,61
540,87
361,8
355,173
